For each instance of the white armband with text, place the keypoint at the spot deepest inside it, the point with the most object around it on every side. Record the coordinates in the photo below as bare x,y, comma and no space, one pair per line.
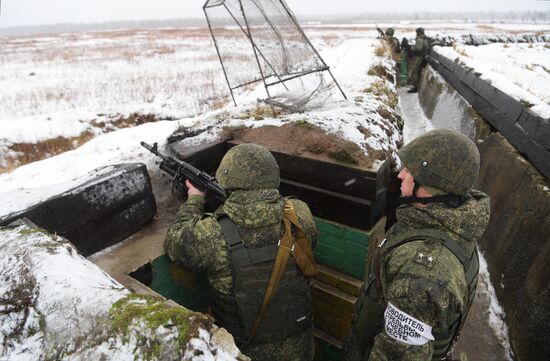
406,329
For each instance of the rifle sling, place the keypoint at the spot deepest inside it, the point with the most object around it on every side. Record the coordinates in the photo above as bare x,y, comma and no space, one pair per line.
298,245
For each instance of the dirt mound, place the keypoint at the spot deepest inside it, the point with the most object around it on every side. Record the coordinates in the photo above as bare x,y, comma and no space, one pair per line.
304,139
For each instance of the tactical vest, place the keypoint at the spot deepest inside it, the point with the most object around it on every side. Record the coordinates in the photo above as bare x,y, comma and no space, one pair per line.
289,312
371,317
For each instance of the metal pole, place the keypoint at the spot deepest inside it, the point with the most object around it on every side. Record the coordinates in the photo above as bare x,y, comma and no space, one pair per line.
299,75
259,51
254,48
295,21
248,83
218,51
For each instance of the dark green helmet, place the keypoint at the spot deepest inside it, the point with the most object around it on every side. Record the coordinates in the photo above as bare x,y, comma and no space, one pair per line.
390,31
419,31
442,159
248,166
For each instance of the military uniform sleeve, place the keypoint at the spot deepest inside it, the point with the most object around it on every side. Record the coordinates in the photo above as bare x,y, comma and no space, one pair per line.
420,297
418,47
306,221
191,238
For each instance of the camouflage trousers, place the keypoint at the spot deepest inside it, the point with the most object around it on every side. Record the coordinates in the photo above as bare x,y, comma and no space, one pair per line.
416,64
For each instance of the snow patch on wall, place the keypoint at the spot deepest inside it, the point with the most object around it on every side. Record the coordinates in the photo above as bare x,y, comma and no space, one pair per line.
496,312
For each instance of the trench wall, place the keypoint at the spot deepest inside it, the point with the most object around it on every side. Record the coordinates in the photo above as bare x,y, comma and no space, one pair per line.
517,242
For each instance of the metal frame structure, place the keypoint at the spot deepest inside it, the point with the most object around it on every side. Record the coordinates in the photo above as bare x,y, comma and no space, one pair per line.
280,78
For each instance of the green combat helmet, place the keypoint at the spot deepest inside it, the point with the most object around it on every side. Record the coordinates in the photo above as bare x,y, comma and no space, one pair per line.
443,159
248,166
419,31
390,31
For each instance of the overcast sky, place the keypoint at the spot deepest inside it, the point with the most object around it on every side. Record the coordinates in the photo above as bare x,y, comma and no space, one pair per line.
37,12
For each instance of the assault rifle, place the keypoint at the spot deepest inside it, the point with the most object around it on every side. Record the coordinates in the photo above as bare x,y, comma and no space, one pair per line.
381,32
180,171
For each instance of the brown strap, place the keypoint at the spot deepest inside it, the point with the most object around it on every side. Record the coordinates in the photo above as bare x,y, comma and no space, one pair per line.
300,247
283,252
303,254
378,274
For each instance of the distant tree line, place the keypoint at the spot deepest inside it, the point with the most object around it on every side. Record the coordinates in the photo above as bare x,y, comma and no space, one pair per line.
367,17
489,16
108,25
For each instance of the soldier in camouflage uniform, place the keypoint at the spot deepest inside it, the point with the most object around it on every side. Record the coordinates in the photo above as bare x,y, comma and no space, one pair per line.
393,43
417,59
422,276
250,175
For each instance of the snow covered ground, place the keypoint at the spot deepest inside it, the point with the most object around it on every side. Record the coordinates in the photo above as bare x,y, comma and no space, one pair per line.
68,84
416,122
520,70
351,60
56,305
72,84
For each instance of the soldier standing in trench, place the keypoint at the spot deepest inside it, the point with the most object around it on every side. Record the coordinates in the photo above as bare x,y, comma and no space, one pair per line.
393,43
395,49
417,59
237,246
422,276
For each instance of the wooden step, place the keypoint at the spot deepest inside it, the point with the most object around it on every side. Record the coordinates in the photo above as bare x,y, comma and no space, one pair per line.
322,335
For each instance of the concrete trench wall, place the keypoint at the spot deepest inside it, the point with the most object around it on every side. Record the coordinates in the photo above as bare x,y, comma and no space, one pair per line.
517,242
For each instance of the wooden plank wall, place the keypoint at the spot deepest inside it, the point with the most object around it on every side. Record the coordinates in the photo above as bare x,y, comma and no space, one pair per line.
344,194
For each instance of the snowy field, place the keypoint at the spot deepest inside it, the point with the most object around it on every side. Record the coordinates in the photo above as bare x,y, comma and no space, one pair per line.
344,118
75,85
78,86
61,85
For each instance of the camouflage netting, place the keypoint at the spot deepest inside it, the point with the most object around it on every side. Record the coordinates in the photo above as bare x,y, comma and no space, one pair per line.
259,39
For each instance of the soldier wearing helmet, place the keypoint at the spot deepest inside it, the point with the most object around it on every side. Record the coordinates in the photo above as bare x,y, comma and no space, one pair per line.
417,58
393,43
237,246
422,277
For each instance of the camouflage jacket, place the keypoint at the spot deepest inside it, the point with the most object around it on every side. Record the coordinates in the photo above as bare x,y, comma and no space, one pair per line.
196,240
421,280
421,46
393,43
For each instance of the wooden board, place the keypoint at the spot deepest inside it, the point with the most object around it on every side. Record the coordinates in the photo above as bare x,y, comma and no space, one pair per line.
346,195
334,177
337,207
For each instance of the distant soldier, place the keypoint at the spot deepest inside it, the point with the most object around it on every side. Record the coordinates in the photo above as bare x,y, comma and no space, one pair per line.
240,246
393,43
417,59
422,277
